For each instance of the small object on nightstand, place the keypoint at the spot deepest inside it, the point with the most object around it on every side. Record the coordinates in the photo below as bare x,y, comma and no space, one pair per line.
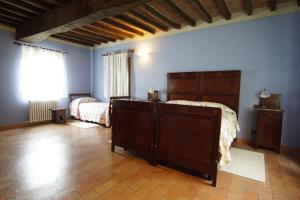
59,115
153,95
273,101
269,123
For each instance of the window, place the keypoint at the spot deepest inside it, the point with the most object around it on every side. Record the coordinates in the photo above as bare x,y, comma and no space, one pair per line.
116,75
42,74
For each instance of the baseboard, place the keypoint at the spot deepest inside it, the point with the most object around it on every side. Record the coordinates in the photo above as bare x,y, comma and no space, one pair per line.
244,141
11,126
22,125
283,148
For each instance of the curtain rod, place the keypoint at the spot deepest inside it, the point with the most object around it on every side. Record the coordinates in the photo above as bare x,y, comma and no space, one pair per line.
118,52
26,44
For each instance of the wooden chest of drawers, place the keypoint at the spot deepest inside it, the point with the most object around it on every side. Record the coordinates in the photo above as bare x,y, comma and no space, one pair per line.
268,128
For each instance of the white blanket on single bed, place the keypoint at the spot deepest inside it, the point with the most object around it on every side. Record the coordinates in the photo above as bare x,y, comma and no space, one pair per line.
95,112
89,109
229,126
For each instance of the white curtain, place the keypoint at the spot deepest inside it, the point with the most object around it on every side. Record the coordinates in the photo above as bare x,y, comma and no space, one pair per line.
116,75
42,74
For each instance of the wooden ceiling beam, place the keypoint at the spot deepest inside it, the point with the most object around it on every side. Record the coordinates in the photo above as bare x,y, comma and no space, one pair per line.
272,5
149,20
37,4
73,40
136,23
102,25
11,15
80,38
16,11
221,4
7,22
150,9
23,6
72,14
202,11
87,37
8,19
54,2
298,2
96,30
123,26
178,10
94,35
248,6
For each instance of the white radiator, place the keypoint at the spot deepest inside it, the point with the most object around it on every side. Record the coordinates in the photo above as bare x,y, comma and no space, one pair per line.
39,111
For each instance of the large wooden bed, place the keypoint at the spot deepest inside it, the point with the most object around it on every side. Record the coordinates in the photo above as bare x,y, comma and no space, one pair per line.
181,135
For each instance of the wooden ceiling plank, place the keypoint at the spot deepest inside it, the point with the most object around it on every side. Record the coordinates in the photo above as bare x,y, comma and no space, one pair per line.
149,20
202,11
96,30
103,25
123,26
272,5
221,5
87,37
54,2
37,4
150,9
79,38
94,35
11,15
79,13
72,40
8,19
14,10
21,5
136,23
248,6
178,10
7,23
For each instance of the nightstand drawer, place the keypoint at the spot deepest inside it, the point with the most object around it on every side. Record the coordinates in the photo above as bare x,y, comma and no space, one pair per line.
269,114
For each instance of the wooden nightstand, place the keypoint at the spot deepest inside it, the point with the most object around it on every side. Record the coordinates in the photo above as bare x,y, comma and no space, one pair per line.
268,128
59,115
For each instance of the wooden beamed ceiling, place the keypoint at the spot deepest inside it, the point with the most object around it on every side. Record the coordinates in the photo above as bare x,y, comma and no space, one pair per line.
96,22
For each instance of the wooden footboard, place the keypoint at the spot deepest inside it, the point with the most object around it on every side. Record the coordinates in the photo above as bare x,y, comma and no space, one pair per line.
185,136
133,126
188,136
111,99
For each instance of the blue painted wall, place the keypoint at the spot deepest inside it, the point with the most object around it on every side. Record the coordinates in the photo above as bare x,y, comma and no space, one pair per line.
266,51
12,109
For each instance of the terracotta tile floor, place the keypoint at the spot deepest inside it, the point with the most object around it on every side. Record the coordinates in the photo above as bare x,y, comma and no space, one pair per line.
66,162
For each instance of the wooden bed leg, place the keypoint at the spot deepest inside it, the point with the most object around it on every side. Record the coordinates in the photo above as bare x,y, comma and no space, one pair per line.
214,180
112,147
209,177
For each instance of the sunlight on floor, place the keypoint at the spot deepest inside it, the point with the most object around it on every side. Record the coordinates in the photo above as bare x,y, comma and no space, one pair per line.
45,162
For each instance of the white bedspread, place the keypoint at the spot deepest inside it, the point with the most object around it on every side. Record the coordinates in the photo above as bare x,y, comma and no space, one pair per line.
89,109
94,112
229,126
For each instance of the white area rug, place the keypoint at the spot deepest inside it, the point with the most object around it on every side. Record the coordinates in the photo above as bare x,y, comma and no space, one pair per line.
245,163
81,124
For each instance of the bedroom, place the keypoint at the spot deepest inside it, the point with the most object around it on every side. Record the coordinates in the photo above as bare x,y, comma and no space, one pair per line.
61,161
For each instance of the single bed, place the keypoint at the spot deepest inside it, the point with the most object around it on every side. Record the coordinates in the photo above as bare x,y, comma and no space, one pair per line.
196,126
84,107
218,89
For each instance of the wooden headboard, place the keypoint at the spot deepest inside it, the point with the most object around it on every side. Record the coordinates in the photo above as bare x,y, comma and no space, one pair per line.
213,86
73,96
